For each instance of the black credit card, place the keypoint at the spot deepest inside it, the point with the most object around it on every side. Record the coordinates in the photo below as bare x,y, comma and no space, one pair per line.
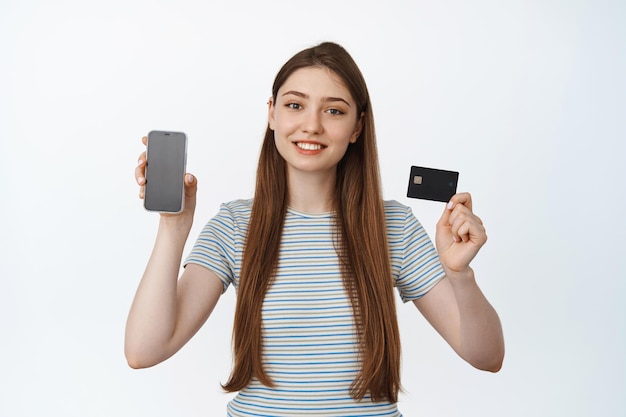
432,184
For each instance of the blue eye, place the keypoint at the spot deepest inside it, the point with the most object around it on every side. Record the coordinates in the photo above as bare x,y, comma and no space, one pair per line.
294,106
335,112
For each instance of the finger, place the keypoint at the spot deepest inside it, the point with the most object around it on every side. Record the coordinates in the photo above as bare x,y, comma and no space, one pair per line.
468,229
140,177
140,169
444,220
460,212
452,213
463,231
190,180
191,185
457,200
460,216
464,199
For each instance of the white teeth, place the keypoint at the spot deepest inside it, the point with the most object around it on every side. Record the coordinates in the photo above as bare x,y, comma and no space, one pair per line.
309,146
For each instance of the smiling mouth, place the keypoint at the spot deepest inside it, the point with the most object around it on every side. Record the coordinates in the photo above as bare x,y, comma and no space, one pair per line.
309,146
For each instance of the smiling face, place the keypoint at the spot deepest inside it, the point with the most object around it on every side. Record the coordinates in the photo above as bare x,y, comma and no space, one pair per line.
314,119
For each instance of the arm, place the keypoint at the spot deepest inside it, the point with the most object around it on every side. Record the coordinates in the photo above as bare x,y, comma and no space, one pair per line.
456,307
168,311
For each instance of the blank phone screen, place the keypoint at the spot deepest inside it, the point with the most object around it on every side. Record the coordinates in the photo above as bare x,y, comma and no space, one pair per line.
165,171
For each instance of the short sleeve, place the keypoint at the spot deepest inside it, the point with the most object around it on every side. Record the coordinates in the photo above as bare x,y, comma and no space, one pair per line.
414,260
219,245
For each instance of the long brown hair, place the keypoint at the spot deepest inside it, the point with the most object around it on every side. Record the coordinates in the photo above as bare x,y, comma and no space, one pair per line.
362,244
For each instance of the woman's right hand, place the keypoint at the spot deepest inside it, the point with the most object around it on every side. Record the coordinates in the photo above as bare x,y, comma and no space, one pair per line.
167,309
191,187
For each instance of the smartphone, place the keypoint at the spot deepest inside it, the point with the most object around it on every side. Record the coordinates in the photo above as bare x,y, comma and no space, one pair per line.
432,184
165,171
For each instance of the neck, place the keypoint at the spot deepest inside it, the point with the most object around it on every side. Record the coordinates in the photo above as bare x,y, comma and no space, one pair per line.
311,193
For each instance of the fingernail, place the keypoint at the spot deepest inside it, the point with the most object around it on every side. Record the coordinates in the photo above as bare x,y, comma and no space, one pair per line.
140,162
189,178
450,205
140,180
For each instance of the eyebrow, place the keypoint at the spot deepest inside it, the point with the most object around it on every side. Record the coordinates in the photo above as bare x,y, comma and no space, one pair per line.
324,99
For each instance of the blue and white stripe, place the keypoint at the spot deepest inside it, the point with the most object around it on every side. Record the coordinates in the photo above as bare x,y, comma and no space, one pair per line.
310,344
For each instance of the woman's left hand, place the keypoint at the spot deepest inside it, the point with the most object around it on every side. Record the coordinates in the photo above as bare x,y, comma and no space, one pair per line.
460,234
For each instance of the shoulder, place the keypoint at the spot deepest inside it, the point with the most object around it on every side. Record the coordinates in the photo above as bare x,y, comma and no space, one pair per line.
396,211
395,205
237,209
232,216
400,219
238,205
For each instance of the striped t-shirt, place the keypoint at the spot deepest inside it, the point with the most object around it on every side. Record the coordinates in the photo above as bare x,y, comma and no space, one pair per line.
309,338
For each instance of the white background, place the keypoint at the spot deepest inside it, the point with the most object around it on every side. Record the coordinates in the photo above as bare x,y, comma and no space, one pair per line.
525,98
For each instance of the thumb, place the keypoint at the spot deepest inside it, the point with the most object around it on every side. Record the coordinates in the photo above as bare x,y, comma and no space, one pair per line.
444,220
191,185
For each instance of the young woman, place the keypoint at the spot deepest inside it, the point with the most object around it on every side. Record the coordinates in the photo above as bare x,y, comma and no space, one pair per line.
315,257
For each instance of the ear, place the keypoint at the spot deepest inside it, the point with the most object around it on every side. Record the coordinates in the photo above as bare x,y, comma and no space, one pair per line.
358,128
270,113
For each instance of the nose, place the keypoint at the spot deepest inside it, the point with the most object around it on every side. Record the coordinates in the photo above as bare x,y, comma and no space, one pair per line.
312,123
